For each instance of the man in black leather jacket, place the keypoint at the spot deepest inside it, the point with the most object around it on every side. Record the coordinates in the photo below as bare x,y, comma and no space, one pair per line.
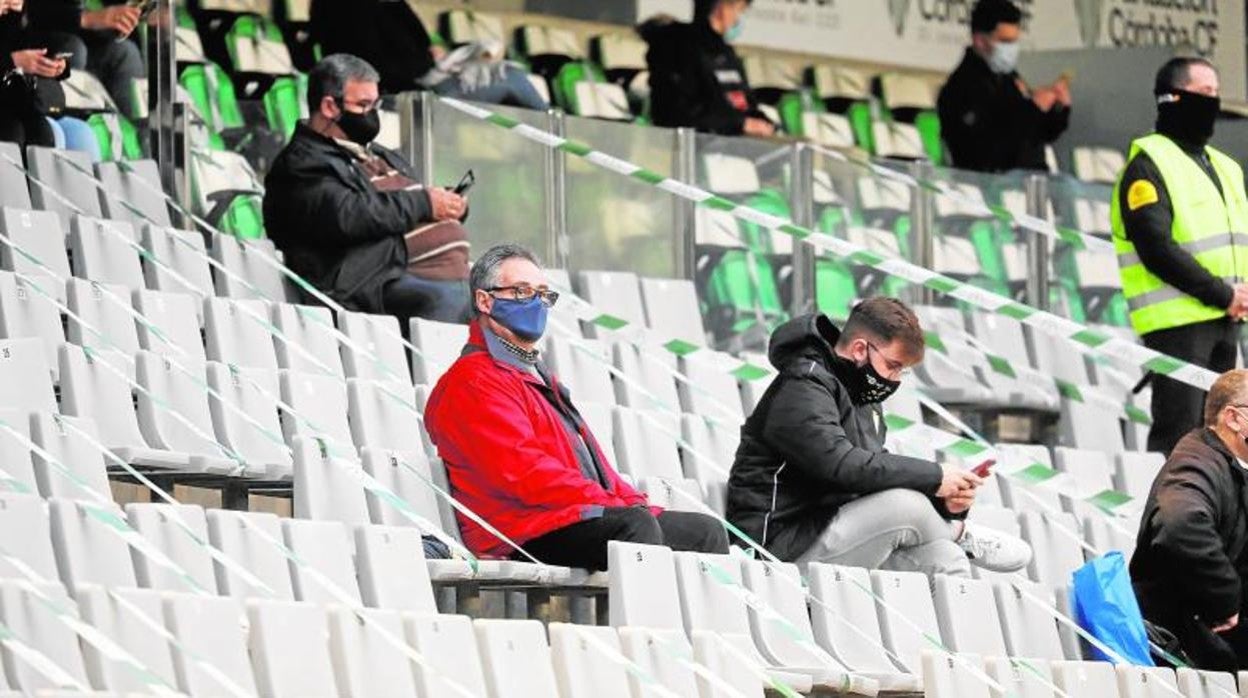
351,217
1190,562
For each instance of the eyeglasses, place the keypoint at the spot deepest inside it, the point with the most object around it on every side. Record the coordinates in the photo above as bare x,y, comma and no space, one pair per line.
524,292
895,368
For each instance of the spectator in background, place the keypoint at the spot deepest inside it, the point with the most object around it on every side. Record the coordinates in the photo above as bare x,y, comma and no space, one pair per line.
989,118
23,66
349,214
1189,567
99,40
812,480
696,78
518,452
388,34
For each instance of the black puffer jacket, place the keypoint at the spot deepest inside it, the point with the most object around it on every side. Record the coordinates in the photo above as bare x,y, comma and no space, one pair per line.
1189,556
335,228
807,449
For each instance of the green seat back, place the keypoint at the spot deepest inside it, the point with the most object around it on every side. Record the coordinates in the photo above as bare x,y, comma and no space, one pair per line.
245,218
281,106
928,124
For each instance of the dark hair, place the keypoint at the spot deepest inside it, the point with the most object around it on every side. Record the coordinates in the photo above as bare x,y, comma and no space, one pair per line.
484,274
1231,388
1176,73
332,73
885,320
703,8
987,14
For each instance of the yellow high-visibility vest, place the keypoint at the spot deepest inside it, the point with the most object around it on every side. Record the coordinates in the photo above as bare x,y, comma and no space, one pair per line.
1212,226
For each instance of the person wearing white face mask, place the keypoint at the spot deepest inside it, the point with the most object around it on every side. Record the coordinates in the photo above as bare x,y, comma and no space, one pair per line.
1190,559
990,119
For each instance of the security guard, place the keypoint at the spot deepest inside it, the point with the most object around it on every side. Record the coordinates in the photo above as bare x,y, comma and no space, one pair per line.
1180,221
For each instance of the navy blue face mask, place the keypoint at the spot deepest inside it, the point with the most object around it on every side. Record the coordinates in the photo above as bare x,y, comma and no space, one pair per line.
526,319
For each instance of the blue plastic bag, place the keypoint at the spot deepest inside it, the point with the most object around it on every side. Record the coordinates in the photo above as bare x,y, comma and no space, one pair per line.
1104,604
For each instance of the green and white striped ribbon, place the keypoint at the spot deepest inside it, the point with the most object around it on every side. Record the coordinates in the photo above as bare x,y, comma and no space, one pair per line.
1146,359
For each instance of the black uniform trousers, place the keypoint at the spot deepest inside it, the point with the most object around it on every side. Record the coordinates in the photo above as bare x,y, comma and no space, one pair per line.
1178,407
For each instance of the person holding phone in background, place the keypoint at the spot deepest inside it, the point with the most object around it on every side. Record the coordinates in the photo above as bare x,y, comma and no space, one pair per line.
23,64
99,40
352,217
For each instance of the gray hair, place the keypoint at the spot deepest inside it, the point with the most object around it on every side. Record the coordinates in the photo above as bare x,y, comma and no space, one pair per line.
485,271
330,76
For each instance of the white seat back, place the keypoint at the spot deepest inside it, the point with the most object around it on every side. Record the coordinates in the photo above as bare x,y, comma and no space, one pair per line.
250,539
392,571
642,586
516,658
378,352
453,662
289,649
163,525
585,664
213,636
325,548
906,614
968,621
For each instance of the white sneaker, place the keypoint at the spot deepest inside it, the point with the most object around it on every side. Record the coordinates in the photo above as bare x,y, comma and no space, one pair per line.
994,550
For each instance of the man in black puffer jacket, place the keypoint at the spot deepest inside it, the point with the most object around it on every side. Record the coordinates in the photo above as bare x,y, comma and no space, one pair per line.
812,481
1191,556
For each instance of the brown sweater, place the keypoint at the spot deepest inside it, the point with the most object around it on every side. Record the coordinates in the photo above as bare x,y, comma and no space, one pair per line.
437,251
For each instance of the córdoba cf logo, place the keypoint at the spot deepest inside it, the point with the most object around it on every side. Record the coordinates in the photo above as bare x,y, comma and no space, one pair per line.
1089,13
898,10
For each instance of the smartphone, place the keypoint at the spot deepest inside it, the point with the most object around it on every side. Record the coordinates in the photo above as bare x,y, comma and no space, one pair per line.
63,55
983,469
465,183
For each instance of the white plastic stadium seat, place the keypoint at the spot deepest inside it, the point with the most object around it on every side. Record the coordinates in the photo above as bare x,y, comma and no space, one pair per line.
41,235
245,418
585,660
137,184
953,676
250,539
165,526
125,616
384,415
25,534
105,251
174,414
845,624
392,570
1086,679
968,622
1146,682
25,375
70,441
1025,678
377,351
452,660
175,317
516,658
213,635
101,310
319,404
313,346
1205,684
289,649
88,547
25,312
905,595
369,659
1029,630
1095,164
74,191
440,344
324,547
235,333
34,624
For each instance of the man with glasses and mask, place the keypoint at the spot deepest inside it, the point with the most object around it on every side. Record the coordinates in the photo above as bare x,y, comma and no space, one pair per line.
1191,556
350,215
518,452
812,481
990,119
1180,220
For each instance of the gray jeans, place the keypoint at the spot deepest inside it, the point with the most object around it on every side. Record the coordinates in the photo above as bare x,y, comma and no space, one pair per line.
894,530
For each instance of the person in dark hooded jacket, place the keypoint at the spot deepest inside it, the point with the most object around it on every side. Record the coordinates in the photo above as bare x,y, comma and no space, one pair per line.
812,481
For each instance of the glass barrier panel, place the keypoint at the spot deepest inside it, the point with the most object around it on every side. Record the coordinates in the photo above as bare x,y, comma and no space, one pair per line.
508,203
1086,273
744,272
617,223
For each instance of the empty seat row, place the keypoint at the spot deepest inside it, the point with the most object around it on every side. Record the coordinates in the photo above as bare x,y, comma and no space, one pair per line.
201,645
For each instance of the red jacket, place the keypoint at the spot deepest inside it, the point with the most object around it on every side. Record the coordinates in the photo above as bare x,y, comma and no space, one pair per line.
508,455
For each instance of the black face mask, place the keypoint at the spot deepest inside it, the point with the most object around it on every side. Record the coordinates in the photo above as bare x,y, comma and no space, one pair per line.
865,384
1187,116
359,128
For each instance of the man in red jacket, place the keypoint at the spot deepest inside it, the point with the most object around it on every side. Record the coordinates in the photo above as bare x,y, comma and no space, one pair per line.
518,452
